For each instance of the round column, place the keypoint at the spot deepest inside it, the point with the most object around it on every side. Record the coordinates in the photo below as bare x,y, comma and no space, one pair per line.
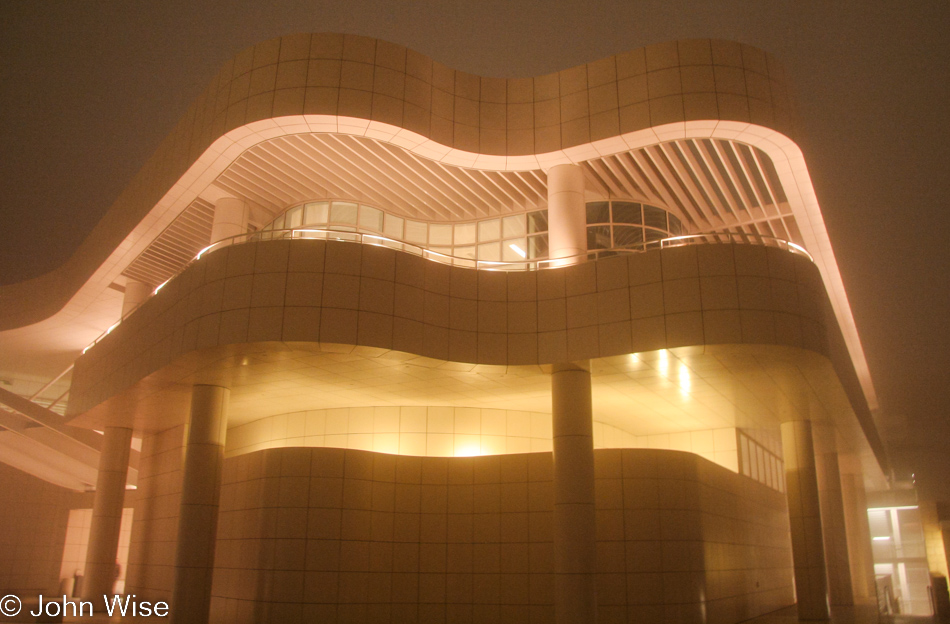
804,513
100,571
198,514
861,558
575,529
135,293
230,218
567,213
834,530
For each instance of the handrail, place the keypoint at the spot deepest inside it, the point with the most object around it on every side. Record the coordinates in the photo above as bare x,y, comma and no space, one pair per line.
488,265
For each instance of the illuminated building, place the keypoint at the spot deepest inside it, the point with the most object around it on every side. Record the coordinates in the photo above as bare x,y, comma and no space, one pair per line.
412,285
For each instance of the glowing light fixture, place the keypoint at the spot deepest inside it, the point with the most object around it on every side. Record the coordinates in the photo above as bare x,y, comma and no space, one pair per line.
883,538
518,250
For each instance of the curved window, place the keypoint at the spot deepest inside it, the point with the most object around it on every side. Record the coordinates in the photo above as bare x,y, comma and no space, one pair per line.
512,238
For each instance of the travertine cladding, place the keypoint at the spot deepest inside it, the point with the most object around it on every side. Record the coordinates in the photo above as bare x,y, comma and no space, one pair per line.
332,535
368,79
33,518
348,293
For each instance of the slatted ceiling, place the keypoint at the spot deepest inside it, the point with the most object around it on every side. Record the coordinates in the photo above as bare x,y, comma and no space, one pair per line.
175,246
686,173
712,185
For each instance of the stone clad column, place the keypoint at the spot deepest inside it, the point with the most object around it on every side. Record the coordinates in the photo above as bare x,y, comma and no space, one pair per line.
230,218
804,512
833,526
198,514
100,571
575,529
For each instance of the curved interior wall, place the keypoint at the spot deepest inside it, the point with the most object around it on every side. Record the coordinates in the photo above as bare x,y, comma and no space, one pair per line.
447,431
345,535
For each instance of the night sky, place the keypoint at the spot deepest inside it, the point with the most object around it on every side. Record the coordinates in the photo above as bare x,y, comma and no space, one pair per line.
89,89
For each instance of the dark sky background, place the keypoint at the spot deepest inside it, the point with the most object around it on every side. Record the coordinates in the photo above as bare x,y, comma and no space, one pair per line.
89,89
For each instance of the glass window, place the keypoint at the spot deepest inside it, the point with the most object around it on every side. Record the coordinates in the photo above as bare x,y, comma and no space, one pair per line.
392,227
465,252
279,223
676,226
654,235
293,217
598,237
489,251
440,234
514,250
538,221
371,219
416,232
316,213
538,246
654,217
598,212
513,226
489,230
628,236
465,233
343,212
627,212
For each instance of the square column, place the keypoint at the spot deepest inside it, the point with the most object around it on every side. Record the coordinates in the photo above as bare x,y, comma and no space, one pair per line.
198,515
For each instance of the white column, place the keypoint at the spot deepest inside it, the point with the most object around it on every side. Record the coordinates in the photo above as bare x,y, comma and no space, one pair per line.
135,293
567,212
804,513
575,528
198,514
230,218
833,526
100,571
854,499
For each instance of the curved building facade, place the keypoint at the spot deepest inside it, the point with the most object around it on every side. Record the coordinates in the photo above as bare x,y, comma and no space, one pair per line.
393,342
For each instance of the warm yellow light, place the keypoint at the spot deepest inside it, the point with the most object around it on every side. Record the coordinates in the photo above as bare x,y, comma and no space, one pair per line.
518,250
685,381
468,450
664,362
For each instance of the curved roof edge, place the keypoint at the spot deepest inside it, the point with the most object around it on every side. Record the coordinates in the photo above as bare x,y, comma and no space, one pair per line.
358,83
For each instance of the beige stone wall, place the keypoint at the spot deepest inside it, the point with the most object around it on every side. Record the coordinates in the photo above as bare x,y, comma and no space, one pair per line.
151,570
353,294
343,535
33,519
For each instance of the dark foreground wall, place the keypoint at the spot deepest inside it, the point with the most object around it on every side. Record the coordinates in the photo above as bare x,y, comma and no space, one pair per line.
33,519
332,535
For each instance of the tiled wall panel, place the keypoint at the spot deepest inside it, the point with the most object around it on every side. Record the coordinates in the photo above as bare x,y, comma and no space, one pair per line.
335,535
347,293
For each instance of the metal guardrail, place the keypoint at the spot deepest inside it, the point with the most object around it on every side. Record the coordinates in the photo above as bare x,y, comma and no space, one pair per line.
489,265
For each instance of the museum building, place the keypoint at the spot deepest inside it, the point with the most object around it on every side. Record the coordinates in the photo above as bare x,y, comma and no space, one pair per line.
370,339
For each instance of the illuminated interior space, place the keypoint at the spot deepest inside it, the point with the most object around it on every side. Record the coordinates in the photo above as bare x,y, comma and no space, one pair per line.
370,339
